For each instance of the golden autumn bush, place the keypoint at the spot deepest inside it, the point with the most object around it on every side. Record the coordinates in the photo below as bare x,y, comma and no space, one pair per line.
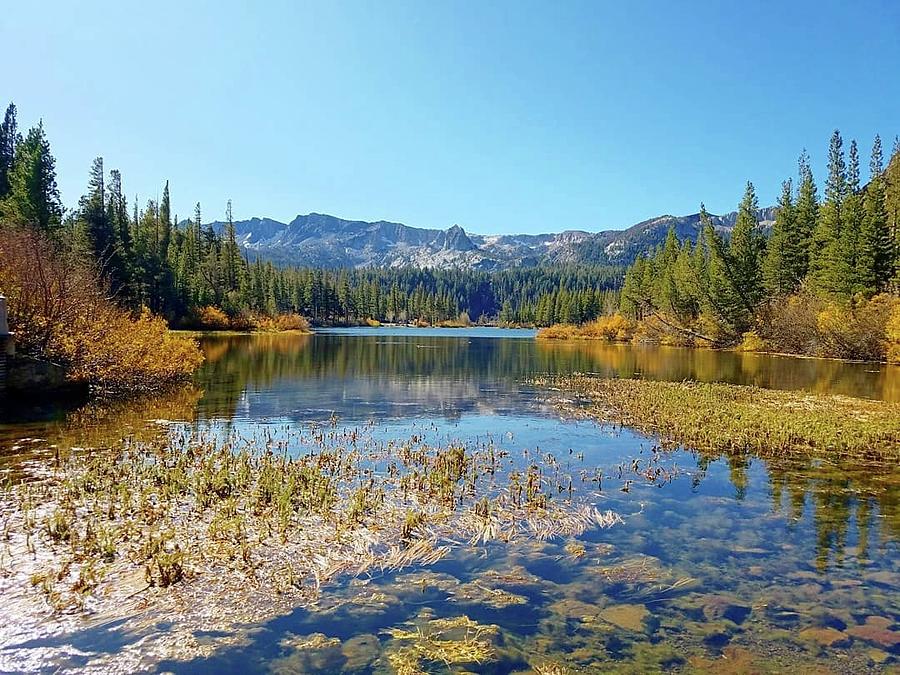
752,342
857,331
790,324
613,327
116,352
212,318
280,322
892,335
806,324
60,313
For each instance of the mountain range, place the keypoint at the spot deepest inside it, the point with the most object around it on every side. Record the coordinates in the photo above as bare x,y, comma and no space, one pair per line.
319,240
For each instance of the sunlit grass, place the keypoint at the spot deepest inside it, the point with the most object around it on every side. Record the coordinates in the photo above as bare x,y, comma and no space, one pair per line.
724,417
228,513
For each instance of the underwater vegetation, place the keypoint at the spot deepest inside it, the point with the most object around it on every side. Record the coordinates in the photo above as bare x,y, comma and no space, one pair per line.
173,519
253,540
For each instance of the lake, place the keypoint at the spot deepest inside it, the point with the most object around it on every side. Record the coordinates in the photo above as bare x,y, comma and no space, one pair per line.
717,564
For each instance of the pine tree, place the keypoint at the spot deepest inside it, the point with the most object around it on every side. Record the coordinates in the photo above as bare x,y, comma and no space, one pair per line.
101,235
828,264
875,260
852,222
117,217
9,139
806,214
33,196
665,291
231,253
685,276
745,252
198,236
778,274
722,303
892,204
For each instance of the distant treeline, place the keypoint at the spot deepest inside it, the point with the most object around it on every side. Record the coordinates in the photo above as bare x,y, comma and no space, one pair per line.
178,271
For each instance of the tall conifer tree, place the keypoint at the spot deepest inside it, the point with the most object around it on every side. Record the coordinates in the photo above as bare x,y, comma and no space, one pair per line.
806,214
33,196
827,255
875,261
779,274
745,252
9,139
851,225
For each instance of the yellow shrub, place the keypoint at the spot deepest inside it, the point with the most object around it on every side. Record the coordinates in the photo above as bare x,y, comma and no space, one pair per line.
292,321
752,342
212,318
116,353
790,325
557,331
892,335
278,323
60,313
613,327
856,332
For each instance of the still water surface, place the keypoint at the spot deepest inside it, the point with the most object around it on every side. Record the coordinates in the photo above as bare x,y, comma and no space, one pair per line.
723,565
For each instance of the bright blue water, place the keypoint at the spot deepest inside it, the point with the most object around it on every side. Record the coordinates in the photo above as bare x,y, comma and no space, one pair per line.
724,561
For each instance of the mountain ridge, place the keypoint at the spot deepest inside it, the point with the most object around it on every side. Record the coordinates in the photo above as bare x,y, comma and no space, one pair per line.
322,240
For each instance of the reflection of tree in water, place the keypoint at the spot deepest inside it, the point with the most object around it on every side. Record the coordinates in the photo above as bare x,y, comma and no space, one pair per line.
417,365
838,490
105,424
866,380
840,493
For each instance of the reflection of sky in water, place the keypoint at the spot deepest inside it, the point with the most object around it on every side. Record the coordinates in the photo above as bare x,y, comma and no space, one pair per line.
727,527
803,544
799,543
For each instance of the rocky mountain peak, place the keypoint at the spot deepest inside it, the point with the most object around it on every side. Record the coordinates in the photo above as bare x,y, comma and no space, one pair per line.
456,239
320,240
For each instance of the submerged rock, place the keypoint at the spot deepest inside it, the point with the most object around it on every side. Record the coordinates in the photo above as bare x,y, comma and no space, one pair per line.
627,617
574,609
877,630
497,598
305,653
724,607
360,652
878,657
734,661
825,637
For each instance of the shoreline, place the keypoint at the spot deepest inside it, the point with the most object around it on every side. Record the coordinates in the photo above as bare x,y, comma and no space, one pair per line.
732,350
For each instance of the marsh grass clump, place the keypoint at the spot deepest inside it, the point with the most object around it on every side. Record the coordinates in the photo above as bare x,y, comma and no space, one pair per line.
59,525
195,512
739,419
447,642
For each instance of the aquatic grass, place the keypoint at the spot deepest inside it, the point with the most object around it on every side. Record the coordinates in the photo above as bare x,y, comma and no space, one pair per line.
190,517
734,418
449,641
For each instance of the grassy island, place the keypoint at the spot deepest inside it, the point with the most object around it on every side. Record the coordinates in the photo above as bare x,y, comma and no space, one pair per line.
731,418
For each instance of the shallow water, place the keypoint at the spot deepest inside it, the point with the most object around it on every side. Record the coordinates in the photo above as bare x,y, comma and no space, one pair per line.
720,564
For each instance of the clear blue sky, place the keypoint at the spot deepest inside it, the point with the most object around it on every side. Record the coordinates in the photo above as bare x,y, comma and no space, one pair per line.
501,116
